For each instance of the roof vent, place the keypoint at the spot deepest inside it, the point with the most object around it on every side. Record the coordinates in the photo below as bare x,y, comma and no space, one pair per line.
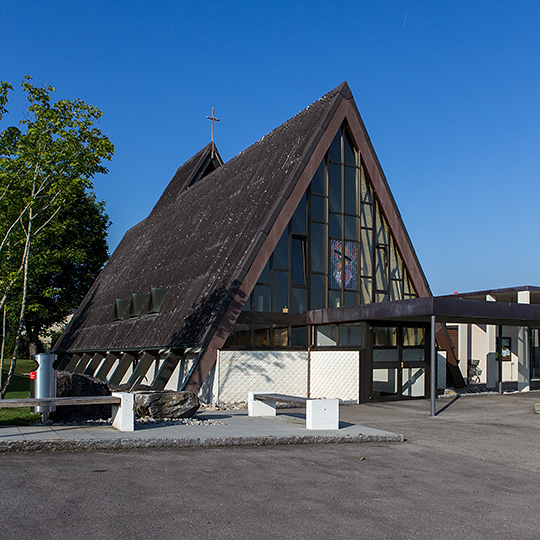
137,303
157,297
120,307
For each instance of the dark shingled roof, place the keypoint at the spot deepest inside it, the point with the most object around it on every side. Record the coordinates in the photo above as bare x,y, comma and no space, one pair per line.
198,241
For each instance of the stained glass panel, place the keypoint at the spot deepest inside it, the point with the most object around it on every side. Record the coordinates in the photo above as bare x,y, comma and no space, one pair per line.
343,264
336,264
351,264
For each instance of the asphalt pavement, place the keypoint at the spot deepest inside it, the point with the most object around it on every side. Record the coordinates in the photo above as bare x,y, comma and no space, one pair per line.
472,471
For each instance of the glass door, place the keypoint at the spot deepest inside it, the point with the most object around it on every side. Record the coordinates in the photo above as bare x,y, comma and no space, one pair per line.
535,353
399,363
386,363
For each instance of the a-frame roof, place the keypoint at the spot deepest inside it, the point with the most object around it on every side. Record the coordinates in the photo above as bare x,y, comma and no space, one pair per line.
208,242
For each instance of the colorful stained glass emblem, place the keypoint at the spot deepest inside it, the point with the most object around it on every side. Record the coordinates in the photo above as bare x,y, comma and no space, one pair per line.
343,264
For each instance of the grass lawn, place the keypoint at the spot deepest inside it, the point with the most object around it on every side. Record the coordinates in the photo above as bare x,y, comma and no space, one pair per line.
19,388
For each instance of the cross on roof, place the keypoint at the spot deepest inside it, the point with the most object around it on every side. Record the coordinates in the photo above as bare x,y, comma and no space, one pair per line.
214,119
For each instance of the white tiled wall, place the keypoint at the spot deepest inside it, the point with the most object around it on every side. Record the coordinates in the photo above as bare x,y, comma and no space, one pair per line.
238,372
334,374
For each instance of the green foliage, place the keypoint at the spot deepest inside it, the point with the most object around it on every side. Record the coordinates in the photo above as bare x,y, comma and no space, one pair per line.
19,388
52,228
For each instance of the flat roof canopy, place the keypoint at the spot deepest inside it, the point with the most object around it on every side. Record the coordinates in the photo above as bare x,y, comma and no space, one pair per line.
446,309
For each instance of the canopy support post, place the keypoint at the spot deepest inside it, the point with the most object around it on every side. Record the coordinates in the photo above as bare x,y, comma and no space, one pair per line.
433,374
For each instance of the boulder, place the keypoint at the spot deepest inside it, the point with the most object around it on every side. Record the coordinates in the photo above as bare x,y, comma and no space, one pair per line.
77,384
165,404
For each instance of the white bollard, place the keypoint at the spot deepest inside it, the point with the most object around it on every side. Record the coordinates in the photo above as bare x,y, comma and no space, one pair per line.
123,415
322,414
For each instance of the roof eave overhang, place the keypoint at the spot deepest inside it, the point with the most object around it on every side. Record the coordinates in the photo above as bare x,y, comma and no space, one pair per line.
446,310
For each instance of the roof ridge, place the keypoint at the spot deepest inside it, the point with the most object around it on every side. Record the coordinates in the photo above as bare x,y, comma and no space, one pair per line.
342,89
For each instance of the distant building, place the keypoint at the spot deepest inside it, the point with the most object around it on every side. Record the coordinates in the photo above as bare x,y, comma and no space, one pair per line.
477,344
288,268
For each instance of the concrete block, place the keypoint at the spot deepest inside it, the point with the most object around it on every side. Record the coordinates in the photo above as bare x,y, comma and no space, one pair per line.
322,414
260,408
123,415
537,408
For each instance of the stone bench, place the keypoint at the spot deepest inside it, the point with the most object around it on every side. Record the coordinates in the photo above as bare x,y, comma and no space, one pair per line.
320,413
123,415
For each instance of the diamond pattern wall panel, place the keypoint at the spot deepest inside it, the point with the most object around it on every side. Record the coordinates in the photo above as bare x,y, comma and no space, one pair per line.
335,374
239,372
441,370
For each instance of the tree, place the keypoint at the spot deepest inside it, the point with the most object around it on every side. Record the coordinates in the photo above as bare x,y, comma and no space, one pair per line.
68,256
50,219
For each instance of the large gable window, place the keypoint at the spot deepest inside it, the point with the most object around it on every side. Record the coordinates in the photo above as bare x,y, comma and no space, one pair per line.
337,250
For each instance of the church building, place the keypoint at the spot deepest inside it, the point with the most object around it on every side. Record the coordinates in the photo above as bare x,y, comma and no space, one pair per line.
287,268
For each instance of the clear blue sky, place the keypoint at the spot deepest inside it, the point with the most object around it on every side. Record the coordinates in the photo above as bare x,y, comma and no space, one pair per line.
449,93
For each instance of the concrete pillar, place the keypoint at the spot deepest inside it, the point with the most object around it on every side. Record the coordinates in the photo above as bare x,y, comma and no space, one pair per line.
82,363
73,362
92,367
464,354
124,365
143,365
524,356
491,360
166,369
106,366
433,367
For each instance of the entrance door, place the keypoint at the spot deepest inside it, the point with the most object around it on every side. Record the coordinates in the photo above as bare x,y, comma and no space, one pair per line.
535,353
400,370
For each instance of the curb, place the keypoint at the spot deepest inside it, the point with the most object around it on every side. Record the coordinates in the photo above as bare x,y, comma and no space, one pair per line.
85,445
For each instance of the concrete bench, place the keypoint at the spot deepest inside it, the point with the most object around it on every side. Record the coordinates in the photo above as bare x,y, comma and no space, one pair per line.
320,413
123,414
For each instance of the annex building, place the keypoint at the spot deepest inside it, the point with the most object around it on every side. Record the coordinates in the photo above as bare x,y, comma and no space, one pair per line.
288,268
